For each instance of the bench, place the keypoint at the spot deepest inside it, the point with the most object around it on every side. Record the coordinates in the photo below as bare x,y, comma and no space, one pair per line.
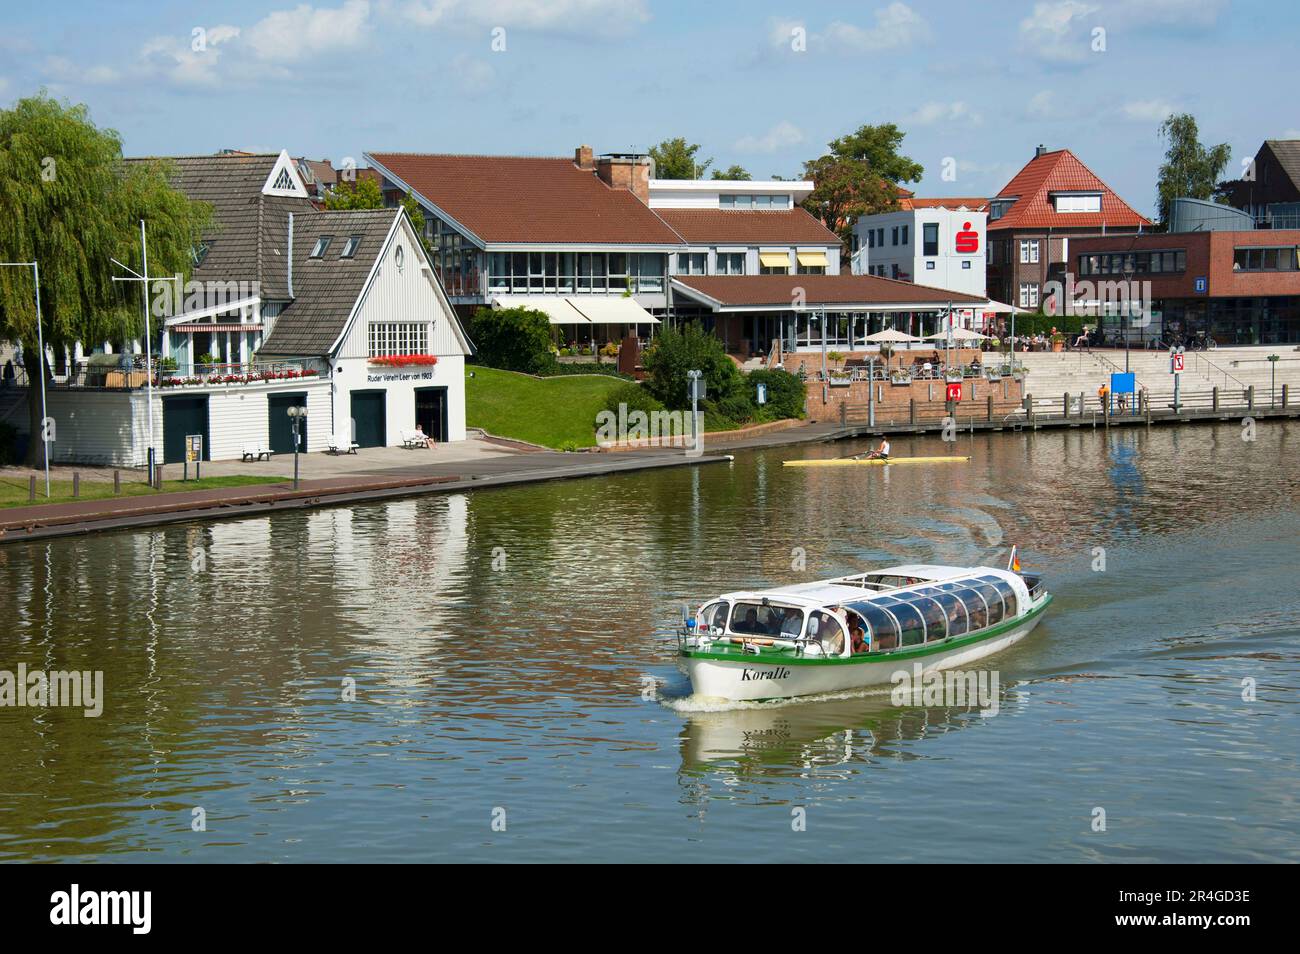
413,439
256,451
342,444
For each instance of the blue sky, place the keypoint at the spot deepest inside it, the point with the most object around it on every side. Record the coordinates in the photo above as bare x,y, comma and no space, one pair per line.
757,83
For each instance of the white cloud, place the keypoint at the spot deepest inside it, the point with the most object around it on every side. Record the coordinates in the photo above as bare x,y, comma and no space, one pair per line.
573,17
292,35
781,136
1200,13
1058,31
1147,110
897,26
186,62
63,70
1042,105
954,112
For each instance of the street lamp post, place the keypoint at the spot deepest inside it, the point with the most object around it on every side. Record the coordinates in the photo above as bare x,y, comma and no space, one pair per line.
298,417
148,340
40,344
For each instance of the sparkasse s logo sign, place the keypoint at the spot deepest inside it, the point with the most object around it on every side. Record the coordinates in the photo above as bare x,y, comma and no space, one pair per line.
76,907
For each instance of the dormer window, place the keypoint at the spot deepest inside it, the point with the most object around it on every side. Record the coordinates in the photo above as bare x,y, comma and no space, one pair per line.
350,249
1000,207
199,252
322,244
1077,201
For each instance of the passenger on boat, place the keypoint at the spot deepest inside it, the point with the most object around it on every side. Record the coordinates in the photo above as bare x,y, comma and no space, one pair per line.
793,623
858,634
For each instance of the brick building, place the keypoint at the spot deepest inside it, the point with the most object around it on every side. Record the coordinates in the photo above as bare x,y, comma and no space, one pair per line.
1054,200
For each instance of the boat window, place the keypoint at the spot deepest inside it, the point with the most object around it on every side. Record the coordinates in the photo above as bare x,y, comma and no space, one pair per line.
975,606
755,619
827,630
884,627
911,622
958,622
1012,607
713,616
936,618
994,600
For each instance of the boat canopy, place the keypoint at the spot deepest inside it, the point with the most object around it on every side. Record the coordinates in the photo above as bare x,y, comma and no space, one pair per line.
842,590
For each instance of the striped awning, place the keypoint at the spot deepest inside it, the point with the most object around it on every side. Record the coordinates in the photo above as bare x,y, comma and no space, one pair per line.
229,327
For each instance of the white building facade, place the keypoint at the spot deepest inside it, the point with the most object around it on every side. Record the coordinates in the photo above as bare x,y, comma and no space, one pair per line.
936,246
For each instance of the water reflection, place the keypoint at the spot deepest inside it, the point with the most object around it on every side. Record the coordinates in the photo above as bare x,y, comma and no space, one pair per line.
500,643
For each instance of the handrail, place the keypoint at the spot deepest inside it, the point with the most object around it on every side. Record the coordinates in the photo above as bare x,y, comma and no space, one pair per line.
1197,357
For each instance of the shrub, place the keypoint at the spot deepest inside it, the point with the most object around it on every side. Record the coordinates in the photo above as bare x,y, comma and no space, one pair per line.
678,350
513,339
634,396
785,393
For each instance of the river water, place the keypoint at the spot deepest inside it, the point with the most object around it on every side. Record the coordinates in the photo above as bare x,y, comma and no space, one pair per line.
516,696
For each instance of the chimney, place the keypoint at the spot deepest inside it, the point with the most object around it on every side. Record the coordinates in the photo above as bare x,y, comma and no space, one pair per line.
631,172
1041,150
582,158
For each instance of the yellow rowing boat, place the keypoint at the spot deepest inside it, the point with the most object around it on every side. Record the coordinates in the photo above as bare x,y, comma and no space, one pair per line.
850,462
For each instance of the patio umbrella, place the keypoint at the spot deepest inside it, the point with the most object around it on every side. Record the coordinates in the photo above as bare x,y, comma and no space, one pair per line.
958,334
890,335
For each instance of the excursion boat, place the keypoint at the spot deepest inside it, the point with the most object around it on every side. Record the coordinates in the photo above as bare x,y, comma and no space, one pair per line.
853,632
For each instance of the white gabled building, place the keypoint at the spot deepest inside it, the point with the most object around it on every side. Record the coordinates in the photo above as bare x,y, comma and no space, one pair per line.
340,313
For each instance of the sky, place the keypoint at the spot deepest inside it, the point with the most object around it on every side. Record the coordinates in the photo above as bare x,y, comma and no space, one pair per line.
975,86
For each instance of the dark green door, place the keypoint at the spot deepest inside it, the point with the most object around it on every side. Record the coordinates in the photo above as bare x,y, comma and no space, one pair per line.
431,412
182,416
369,429
280,424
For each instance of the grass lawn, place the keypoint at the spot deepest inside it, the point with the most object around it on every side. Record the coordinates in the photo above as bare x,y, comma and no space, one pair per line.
547,411
13,490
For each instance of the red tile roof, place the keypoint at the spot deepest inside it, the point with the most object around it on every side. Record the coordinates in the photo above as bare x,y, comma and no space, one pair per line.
1061,171
952,202
783,290
744,227
516,199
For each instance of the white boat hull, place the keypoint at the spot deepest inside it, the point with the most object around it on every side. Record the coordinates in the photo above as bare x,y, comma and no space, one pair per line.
741,680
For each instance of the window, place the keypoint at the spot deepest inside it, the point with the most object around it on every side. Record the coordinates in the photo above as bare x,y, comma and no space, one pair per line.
936,618
350,249
1078,203
826,630
994,601
975,607
871,238
197,254
880,237
1264,259
731,263
713,616
1028,295
893,235
958,621
904,233
1149,262
884,628
763,202
773,263
322,243
930,238
691,263
930,266
1029,251
1010,601
910,620
965,263
398,337
755,619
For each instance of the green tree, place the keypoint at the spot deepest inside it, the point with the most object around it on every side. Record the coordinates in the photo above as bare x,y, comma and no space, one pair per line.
675,159
69,202
513,339
690,348
1190,170
859,176
733,174
363,193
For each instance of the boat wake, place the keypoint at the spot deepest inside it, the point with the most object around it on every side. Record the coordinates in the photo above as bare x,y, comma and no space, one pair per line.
691,704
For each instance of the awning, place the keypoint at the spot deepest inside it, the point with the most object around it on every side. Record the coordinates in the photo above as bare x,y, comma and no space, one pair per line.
812,259
582,309
613,310
191,328
774,259
557,310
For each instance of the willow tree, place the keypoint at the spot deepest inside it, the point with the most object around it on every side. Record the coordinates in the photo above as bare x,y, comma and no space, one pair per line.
69,203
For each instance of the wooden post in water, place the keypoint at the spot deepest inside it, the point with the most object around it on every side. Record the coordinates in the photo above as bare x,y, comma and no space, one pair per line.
1284,395
1065,405
1214,398
990,401
1250,397
912,411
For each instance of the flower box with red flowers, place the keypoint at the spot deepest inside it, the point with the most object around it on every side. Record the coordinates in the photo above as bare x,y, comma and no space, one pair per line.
405,360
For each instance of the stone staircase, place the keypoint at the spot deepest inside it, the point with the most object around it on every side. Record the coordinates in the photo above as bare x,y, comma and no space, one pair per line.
1051,374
